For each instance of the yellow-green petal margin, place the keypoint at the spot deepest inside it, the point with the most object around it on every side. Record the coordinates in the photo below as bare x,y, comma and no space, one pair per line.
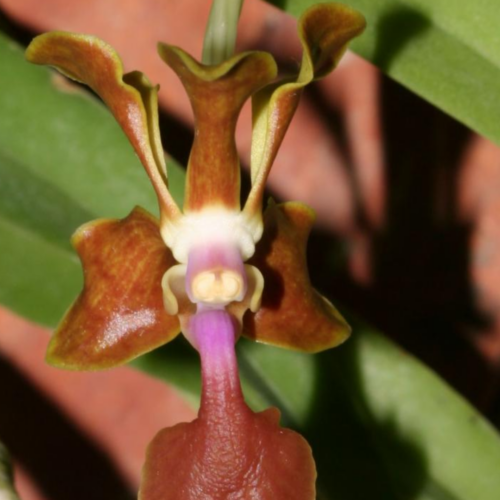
130,97
324,31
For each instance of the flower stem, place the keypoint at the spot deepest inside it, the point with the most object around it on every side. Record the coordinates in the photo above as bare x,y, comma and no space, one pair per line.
220,35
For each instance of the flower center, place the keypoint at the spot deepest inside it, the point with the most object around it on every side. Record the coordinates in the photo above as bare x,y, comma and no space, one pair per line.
215,275
218,287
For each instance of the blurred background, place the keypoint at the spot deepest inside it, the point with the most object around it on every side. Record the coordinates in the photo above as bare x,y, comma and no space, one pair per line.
407,238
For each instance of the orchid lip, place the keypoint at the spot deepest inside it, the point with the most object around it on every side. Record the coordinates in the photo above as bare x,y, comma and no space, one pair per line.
211,226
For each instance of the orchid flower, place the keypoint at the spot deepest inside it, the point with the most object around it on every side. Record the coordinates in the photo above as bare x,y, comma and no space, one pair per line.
214,269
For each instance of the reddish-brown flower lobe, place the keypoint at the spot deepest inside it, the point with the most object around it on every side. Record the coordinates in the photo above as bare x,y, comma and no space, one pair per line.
119,314
293,314
217,94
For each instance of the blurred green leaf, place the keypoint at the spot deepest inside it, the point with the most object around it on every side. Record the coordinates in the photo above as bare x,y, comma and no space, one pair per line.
7,491
381,425
445,51
63,162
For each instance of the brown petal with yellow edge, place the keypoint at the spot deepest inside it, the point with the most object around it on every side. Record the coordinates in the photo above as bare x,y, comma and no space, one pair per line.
119,315
131,98
293,314
324,31
217,94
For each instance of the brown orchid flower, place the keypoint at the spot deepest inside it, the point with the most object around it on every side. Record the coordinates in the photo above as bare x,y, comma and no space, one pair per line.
214,269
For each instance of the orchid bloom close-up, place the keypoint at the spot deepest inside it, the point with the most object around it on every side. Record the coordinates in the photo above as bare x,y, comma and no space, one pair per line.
214,269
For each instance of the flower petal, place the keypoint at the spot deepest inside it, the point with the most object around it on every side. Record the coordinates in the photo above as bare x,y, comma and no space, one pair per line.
131,98
217,94
292,314
228,452
119,314
324,30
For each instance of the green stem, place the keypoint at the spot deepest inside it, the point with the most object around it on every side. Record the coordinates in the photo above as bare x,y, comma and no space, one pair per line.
220,35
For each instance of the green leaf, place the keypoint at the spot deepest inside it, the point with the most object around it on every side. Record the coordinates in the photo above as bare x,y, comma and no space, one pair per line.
431,442
445,51
381,425
63,161
7,491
